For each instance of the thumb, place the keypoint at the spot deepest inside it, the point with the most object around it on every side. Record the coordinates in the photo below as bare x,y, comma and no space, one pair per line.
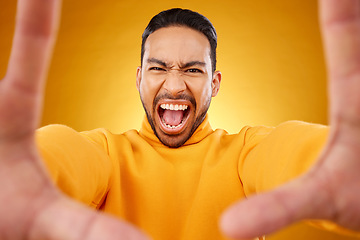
268,212
69,220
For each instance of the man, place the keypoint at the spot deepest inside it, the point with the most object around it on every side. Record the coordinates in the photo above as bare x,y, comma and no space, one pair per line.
34,209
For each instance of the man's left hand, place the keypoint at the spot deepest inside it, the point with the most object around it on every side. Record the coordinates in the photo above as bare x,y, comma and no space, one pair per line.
331,189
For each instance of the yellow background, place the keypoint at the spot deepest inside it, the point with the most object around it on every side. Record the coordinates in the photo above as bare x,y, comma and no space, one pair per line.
269,52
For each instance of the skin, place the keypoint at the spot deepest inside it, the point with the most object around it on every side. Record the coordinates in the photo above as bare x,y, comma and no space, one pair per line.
35,209
330,190
176,69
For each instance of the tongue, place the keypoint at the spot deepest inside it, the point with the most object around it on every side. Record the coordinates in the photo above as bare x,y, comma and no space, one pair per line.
172,117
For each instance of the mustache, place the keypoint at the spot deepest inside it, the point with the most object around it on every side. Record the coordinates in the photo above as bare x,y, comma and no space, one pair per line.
177,97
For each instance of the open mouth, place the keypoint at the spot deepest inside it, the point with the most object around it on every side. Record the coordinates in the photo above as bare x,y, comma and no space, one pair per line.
173,116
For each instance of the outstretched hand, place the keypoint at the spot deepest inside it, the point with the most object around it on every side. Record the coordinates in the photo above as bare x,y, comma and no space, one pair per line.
330,190
31,207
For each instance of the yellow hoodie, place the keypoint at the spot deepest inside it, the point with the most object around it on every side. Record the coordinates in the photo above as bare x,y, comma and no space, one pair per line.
176,193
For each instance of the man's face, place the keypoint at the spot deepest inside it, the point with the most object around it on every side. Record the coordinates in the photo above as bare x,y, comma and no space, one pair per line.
176,82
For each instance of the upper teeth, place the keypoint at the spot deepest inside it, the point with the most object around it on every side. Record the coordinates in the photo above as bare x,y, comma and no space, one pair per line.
173,107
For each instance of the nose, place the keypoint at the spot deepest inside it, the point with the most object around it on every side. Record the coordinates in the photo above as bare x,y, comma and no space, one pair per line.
174,83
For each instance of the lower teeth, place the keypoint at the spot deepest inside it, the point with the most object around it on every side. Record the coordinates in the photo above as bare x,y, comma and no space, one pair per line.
173,127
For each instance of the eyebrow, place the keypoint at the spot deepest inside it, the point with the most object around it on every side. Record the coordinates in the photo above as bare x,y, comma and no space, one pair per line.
193,63
186,65
157,61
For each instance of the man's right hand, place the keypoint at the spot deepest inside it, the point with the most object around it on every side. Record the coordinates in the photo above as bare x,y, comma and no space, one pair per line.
30,205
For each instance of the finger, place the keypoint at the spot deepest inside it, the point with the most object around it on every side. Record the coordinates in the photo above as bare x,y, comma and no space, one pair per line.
74,222
35,33
266,213
340,22
21,90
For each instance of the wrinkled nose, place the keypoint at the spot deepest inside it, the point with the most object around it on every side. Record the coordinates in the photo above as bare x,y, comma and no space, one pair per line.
174,83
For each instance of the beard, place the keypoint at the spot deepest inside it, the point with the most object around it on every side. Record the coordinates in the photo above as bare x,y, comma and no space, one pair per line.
198,120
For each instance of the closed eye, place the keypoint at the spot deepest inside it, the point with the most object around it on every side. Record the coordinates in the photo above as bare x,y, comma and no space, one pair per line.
194,70
156,69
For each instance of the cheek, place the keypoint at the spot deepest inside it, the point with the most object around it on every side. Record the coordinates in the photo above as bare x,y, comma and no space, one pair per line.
149,88
202,92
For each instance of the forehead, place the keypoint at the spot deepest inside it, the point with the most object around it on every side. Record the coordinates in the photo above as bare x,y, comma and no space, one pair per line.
177,43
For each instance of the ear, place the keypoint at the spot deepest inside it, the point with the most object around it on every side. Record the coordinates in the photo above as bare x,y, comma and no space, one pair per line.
138,78
216,83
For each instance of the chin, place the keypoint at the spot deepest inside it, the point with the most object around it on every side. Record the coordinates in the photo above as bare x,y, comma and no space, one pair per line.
173,141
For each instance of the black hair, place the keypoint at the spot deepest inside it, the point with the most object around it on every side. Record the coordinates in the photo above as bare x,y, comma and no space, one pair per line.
183,17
